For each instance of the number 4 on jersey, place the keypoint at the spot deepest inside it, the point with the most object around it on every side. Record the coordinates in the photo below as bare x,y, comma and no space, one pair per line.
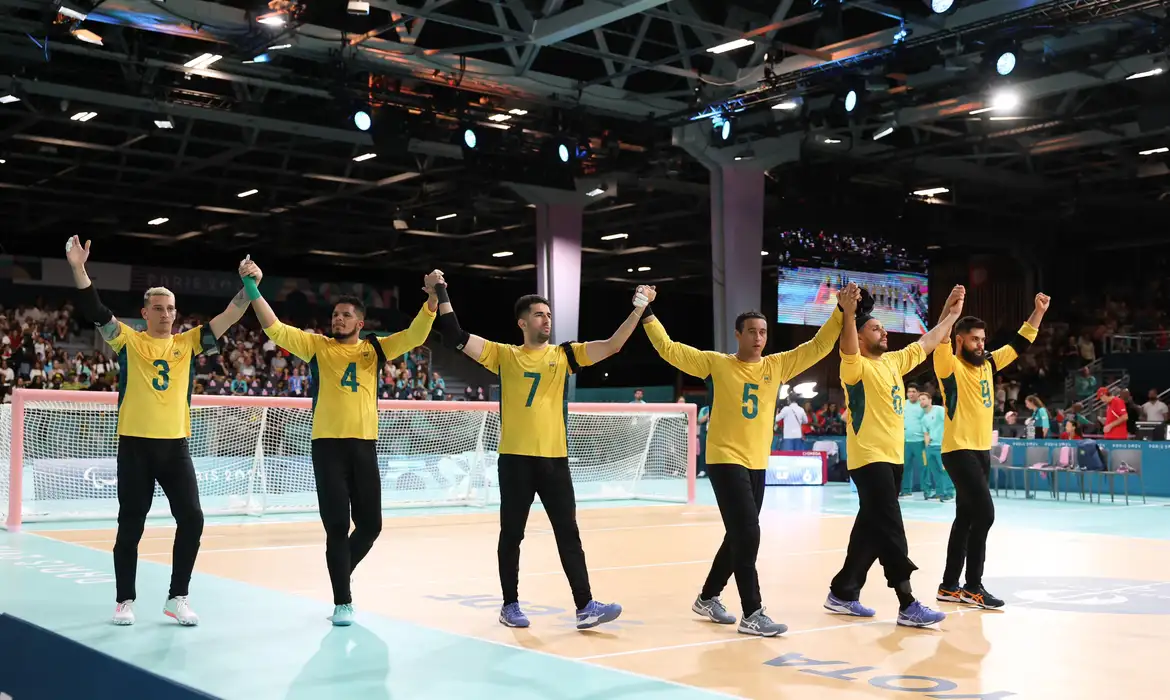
349,377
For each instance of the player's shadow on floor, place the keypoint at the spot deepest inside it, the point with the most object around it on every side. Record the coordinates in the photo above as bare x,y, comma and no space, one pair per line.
961,648
351,662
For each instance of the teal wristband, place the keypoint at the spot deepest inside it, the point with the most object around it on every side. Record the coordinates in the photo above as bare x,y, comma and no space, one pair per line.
250,287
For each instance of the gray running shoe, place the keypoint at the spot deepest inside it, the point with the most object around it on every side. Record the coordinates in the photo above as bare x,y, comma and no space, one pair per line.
714,610
761,625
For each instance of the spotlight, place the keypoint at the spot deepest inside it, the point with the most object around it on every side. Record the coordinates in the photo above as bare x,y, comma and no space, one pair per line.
850,100
723,128
1006,63
361,119
563,152
940,6
357,7
469,138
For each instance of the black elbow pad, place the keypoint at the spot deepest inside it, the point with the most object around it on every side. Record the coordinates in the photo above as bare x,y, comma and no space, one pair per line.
453,336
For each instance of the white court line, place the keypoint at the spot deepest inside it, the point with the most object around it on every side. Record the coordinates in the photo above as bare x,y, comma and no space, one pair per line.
962,611
204,552
144,539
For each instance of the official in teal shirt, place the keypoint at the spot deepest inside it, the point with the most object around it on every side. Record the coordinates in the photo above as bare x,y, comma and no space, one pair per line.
936,483
915,460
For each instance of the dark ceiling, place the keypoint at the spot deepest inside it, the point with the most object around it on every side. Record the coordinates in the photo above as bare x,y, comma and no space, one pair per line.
621,77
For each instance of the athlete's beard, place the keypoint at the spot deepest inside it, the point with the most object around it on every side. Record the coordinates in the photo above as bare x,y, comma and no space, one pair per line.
343,336
973,357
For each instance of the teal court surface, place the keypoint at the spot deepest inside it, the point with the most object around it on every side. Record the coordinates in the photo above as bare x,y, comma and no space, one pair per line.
1087,585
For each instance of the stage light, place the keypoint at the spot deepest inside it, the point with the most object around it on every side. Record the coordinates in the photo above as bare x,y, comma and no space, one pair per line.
1006,63
940,6
1005,101
469,138
361,119
850,100
563,153
730,46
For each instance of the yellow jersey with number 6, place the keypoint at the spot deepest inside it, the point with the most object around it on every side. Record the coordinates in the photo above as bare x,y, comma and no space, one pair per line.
534,396
875,395
344,376
155,380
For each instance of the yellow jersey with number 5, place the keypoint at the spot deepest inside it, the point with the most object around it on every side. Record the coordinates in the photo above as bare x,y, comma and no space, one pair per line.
534,396
344,376
743,394
155,381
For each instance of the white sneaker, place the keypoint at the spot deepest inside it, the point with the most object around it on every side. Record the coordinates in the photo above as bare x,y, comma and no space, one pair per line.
178,608
124,613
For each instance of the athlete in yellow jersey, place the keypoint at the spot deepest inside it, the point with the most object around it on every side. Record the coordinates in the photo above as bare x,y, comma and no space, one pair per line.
533,450
874,445
155,379
966,376
744,388
344,369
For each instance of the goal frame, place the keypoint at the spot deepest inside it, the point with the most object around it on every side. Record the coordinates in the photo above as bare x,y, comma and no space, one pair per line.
21,397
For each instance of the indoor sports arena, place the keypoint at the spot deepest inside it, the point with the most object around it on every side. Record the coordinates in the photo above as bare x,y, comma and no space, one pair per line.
567,349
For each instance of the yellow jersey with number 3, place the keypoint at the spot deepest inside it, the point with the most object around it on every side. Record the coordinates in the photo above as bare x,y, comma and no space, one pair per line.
743,394
155,380
344,376
534,396
969,392
875,396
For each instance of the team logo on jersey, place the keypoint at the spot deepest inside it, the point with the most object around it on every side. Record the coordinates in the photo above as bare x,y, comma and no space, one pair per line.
767,379
552,364
178,353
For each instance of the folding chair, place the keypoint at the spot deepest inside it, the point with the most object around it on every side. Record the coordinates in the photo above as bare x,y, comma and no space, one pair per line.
1000,456
1122,469
1065,463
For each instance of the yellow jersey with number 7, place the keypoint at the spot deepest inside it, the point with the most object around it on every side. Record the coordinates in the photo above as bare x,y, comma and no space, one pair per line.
344,376
534,400
155,380
743,403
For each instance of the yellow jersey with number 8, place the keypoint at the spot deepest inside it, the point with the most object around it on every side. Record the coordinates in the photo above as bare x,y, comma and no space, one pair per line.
534,400
344,376
155,381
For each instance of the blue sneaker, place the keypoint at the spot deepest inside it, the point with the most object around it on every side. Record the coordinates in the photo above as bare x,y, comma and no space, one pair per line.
512,616
342,615
847,607
918,615
596,613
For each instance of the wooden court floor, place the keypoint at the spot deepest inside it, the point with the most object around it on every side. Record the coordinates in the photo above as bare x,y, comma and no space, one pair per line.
1086,614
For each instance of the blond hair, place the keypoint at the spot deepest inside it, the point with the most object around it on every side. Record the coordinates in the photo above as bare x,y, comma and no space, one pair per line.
156,292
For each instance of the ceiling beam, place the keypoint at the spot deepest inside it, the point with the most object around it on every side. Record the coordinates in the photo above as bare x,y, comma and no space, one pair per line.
593,14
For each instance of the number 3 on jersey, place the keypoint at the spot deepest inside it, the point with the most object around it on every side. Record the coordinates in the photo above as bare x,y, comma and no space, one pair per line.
751,402
349,377
163,380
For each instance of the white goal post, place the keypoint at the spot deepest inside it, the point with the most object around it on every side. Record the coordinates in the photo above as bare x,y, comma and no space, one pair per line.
252,454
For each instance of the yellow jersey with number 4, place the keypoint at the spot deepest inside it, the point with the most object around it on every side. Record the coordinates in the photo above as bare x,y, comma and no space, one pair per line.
875,396
743,394
969,391
155,380
344,376
534,396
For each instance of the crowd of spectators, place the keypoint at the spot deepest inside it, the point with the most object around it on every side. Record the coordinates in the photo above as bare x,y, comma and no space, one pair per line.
43,347
843,250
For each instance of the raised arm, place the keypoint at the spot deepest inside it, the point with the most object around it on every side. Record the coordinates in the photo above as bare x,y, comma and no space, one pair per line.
805,355
448,325
682,357
295,340
88,303
849,342
598,350
1004,356
397,344
239,303
942,331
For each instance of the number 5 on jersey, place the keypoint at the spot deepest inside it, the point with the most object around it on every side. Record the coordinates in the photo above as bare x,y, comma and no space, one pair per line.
751,402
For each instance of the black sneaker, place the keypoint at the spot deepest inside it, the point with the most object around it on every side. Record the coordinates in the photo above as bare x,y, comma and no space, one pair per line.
948,594
979,597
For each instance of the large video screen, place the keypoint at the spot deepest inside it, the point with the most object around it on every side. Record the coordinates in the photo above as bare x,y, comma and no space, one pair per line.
808,295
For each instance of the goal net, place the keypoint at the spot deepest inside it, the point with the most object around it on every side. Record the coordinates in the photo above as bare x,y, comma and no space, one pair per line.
252,455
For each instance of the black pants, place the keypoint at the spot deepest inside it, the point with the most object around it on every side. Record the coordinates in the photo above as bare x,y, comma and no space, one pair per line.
142,462
739,491
521,479
878,533
974,515
346,470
